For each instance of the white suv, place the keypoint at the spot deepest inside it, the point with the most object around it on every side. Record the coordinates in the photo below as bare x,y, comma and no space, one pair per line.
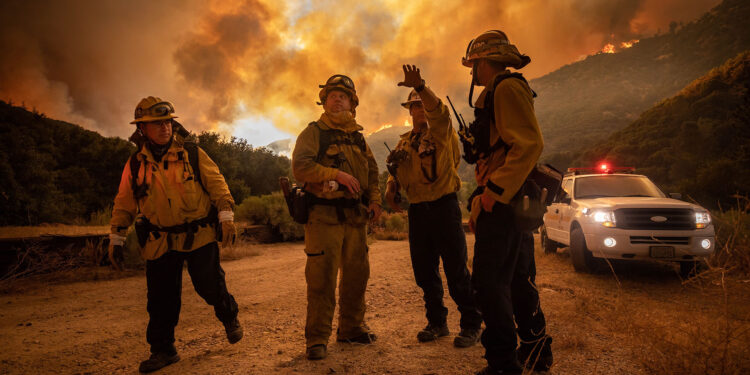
624,216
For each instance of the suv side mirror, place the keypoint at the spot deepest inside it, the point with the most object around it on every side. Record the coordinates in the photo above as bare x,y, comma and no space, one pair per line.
675,196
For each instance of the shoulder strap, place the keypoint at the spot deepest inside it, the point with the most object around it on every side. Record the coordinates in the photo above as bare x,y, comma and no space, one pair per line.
324,140
503,77
135,165
192,150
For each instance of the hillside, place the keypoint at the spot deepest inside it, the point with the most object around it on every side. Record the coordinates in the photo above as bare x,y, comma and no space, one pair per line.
696,143
391,136
56,172
586,101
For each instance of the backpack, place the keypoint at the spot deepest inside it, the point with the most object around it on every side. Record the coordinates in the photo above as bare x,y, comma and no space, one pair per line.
140,191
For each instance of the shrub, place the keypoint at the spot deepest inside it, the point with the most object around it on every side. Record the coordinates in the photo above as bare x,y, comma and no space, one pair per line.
270,210
733,238
391,226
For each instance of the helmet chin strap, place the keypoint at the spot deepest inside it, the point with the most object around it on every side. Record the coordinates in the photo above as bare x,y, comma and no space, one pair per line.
473,82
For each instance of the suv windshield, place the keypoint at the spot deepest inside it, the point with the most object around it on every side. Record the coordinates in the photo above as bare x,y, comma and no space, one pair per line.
615,186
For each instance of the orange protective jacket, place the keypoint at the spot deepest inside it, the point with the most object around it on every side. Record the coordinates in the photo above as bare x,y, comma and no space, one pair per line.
173,197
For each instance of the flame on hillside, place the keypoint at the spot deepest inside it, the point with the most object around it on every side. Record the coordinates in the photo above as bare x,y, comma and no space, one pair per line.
610,48
388,126
629,44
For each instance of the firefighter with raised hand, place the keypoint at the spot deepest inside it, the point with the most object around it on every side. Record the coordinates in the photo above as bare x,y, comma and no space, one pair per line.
507,145
180,201
340,176
428,173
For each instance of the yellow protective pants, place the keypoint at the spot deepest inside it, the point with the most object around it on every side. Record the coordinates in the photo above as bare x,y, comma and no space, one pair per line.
328,248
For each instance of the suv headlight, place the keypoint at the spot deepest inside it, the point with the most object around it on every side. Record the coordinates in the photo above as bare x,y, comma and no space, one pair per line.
702,219
607,218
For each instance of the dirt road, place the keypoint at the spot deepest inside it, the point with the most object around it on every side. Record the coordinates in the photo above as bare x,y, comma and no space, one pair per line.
99,326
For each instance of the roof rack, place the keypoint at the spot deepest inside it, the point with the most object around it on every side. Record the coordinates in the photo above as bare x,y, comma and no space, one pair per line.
602,169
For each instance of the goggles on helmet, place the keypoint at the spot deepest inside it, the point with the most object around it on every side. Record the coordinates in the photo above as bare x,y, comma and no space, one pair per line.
339,80
157,110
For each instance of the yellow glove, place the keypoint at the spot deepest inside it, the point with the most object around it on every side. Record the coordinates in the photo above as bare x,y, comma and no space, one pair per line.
115,250
228,233
228,230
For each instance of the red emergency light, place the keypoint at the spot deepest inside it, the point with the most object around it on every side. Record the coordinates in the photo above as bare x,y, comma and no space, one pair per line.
602,168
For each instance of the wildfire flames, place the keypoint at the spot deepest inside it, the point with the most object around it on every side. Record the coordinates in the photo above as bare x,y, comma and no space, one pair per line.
629,43
610,48
388,126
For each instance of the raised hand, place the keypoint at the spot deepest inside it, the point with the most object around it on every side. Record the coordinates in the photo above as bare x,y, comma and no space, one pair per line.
412,78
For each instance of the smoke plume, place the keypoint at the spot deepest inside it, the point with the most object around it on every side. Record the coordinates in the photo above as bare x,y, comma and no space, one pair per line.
220,62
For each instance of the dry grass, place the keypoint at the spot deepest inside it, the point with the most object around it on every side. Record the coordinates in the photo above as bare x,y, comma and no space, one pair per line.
38,260
241,249
702,328
52,229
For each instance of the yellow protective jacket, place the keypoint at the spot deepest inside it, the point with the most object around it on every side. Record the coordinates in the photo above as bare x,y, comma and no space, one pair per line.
315,173
173,197
415,173
504,171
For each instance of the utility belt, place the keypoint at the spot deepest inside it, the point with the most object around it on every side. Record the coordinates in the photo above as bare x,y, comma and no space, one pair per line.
429,204
531,201
299,202
144,228
339,203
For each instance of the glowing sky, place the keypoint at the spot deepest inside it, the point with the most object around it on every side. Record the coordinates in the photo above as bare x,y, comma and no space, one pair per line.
252,68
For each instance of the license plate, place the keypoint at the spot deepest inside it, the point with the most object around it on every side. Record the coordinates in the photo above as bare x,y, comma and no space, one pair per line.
662,251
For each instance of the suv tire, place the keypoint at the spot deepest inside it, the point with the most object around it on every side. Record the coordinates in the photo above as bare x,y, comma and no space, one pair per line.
549,246
582,258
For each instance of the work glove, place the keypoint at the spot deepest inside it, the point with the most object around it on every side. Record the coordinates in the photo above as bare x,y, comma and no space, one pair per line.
116,251
374,211
228,230
392,196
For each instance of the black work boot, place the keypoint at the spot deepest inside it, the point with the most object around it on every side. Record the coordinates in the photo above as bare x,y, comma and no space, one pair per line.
157,361
234,331
432,332
536,356
317,352
490,371
467,338
364,338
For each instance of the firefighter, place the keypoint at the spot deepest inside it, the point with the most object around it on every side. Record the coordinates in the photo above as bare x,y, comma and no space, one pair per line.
425,162
340,175
508,144
179,200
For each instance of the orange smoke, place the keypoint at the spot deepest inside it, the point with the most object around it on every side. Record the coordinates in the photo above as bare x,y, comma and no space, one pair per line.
223,63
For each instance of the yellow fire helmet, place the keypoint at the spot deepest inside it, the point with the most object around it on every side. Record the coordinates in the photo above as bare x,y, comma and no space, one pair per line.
494,45
413,98
339,82
153,109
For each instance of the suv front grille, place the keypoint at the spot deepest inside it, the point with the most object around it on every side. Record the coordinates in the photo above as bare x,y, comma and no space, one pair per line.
653,218
659,240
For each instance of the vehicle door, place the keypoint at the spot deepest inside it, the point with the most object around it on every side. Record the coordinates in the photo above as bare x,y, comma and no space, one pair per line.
567,212
552,219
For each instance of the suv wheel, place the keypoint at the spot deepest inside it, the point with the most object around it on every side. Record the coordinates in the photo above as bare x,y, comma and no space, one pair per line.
550,247
580,255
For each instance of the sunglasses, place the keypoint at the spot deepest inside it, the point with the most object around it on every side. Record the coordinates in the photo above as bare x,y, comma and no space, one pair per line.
339,80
